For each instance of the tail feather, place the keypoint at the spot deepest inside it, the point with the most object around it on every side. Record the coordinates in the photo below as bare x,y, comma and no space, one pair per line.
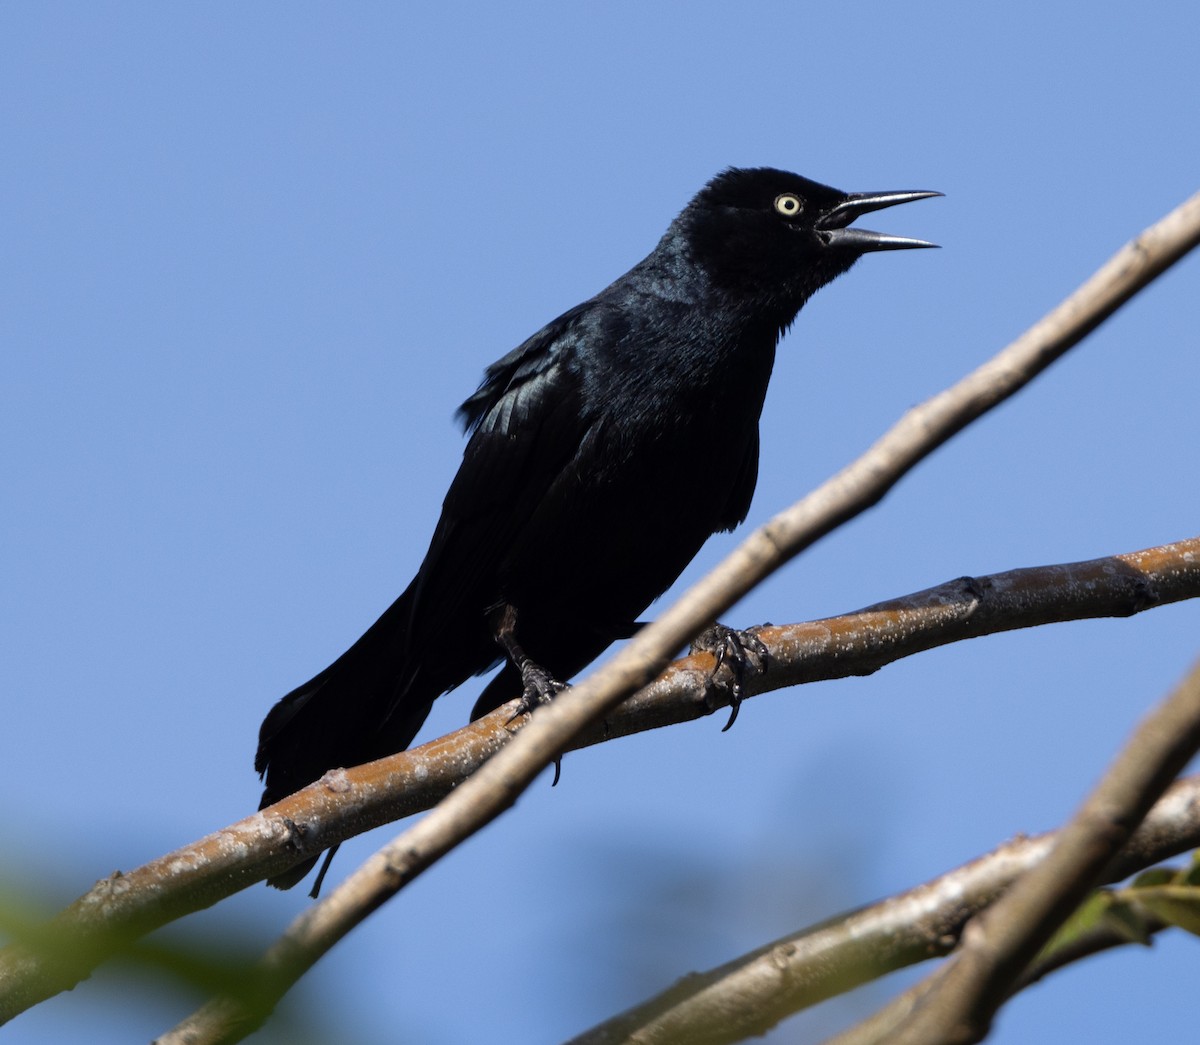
368,703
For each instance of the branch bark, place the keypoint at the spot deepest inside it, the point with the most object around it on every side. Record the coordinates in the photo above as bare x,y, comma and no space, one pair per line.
956,1004
347,802
497,784
748,996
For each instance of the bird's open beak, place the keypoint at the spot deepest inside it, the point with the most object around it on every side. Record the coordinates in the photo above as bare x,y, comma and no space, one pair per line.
832,227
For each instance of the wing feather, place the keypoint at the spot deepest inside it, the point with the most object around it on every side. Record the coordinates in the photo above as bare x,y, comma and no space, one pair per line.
526,427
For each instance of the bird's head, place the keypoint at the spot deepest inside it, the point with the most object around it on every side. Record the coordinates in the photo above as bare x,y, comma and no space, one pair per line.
770,233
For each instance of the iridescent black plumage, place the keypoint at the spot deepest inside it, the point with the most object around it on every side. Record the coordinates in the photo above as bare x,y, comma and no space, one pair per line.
603,452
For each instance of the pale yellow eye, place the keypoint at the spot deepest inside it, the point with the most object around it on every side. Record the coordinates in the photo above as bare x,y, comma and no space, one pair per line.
788,204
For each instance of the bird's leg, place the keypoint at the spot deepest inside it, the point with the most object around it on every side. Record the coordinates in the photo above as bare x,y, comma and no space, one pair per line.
540,687
740,651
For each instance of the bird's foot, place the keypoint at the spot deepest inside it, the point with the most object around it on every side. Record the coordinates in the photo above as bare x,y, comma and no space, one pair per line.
540,688
740,652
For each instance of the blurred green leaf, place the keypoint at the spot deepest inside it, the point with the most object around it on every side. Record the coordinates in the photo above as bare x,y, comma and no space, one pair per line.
1104,911
1177,905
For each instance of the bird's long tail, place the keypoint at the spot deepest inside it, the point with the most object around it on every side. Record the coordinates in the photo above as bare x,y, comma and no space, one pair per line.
368,703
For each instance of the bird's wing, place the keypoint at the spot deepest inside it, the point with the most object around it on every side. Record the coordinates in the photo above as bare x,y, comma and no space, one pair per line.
536,358
526,426
741,490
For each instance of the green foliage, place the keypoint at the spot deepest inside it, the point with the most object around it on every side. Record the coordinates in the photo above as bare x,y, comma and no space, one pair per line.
173,969
1171,897
1156,899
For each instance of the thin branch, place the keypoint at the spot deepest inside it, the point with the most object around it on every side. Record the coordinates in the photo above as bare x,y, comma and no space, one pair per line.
748,996
1096,940
862,642
956,1004
349,802
498,783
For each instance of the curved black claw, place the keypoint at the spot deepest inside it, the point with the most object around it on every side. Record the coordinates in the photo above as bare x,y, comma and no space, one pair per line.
315,891
741,652
540,688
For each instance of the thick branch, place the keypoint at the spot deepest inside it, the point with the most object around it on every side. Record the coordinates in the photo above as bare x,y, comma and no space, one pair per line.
746,997
349,802
498,783
956,1004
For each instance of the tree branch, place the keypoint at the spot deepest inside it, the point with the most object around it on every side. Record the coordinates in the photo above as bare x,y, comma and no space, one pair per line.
348,802
748,996
956,1004
496,785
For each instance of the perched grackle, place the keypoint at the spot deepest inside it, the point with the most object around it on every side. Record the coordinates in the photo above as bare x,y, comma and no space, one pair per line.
603,452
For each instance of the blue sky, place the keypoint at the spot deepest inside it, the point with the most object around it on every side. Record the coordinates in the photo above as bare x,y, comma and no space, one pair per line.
255,256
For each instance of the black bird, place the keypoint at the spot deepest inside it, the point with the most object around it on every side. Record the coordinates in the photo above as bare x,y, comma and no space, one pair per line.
603,452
